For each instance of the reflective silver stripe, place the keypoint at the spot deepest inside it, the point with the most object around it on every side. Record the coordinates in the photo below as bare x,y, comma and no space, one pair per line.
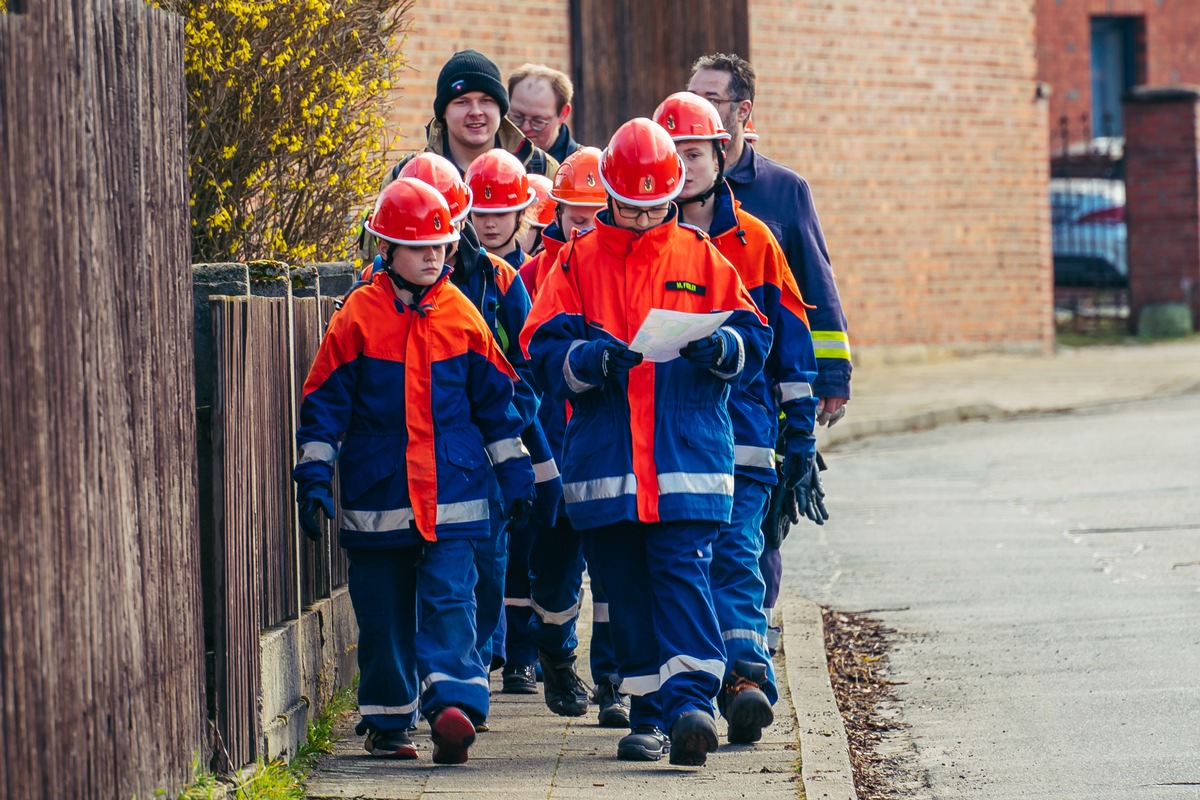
793,391
317,451
746,456
545,471
599,612
441,677
743,633
695,483
741,357
519,602
375,521
573,383
468,511
605,488
405,709
506,449
645,684
556,617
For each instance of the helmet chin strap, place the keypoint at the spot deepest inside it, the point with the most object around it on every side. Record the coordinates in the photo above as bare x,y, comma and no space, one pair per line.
704,196
415,289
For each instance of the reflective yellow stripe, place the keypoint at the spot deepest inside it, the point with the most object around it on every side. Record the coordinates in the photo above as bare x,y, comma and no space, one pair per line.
831,344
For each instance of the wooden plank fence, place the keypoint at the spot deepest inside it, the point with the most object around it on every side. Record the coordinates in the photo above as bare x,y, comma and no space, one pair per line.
264,571
101,651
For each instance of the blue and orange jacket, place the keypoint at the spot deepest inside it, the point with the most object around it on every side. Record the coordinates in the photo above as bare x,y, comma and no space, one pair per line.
493,287
781,198
552,414
412,403
657,444
786,381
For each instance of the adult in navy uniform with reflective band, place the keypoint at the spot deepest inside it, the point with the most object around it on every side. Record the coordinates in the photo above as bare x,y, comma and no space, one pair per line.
413,398
782,199
648,456
492,286
558,555
785,383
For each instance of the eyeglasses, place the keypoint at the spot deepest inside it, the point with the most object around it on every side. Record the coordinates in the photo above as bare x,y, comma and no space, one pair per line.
536,124
633,212
716,101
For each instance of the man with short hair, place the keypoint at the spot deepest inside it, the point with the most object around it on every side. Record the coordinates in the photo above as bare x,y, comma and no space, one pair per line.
782,199
469,118
540,103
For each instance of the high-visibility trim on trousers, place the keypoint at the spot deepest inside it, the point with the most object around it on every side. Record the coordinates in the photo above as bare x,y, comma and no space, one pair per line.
556,617
599,612
744,634
441,677
408,708
645,684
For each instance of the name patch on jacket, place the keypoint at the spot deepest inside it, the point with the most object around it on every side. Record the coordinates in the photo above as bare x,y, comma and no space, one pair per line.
686,286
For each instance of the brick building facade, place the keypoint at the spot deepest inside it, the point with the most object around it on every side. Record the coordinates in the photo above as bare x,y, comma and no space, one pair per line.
917,125
1091,51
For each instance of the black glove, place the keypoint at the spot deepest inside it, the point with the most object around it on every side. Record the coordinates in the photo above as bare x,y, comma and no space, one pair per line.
802,477
718,351
776,524
520,512
316,498
601,359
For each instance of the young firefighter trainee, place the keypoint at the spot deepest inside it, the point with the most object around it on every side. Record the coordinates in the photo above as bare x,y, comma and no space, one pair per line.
411,396
648,452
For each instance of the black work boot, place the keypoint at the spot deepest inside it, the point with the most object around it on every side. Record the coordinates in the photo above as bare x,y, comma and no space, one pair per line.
693,737
643,743
519,679
744,704
566,693
614,706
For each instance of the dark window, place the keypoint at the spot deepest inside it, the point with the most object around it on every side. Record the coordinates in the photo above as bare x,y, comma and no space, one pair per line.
1115,68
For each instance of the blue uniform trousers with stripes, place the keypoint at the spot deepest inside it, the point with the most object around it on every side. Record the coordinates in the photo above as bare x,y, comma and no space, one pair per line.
415,608
556,565
668,644
519,646
771,566
491,562
737,583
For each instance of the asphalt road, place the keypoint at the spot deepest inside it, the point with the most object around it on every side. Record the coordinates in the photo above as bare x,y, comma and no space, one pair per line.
1043,576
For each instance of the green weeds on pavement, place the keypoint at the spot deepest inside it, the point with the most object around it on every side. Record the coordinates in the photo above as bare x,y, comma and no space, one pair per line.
277,780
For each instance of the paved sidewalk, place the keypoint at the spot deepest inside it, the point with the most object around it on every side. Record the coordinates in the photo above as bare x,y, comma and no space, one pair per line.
532,753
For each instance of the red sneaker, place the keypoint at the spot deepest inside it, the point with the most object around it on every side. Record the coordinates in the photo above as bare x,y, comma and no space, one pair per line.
453,733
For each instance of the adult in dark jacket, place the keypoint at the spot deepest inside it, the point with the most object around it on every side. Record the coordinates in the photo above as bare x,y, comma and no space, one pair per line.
540,104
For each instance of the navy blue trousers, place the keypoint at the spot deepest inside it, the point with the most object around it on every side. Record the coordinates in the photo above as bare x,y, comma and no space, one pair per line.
737,583
415,608
670,655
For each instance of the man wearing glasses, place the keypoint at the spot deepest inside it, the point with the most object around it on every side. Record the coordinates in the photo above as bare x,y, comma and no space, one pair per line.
781,198
540,101
647,462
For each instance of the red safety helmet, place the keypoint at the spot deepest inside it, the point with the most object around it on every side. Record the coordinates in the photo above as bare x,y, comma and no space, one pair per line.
499,184
442,175
577,182
413,213
544,210
688,117
640,166
750,134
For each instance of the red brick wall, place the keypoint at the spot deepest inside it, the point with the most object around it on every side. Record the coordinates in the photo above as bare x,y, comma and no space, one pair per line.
917,126
915,123
1064,47
1163,201
540,33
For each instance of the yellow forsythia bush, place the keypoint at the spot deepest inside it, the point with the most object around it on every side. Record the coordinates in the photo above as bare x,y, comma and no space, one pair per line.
285,121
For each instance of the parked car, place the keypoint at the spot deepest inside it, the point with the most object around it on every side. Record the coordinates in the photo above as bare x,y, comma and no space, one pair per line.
1088,231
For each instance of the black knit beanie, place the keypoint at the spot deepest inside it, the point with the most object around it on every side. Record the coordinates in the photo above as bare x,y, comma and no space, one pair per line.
469,71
